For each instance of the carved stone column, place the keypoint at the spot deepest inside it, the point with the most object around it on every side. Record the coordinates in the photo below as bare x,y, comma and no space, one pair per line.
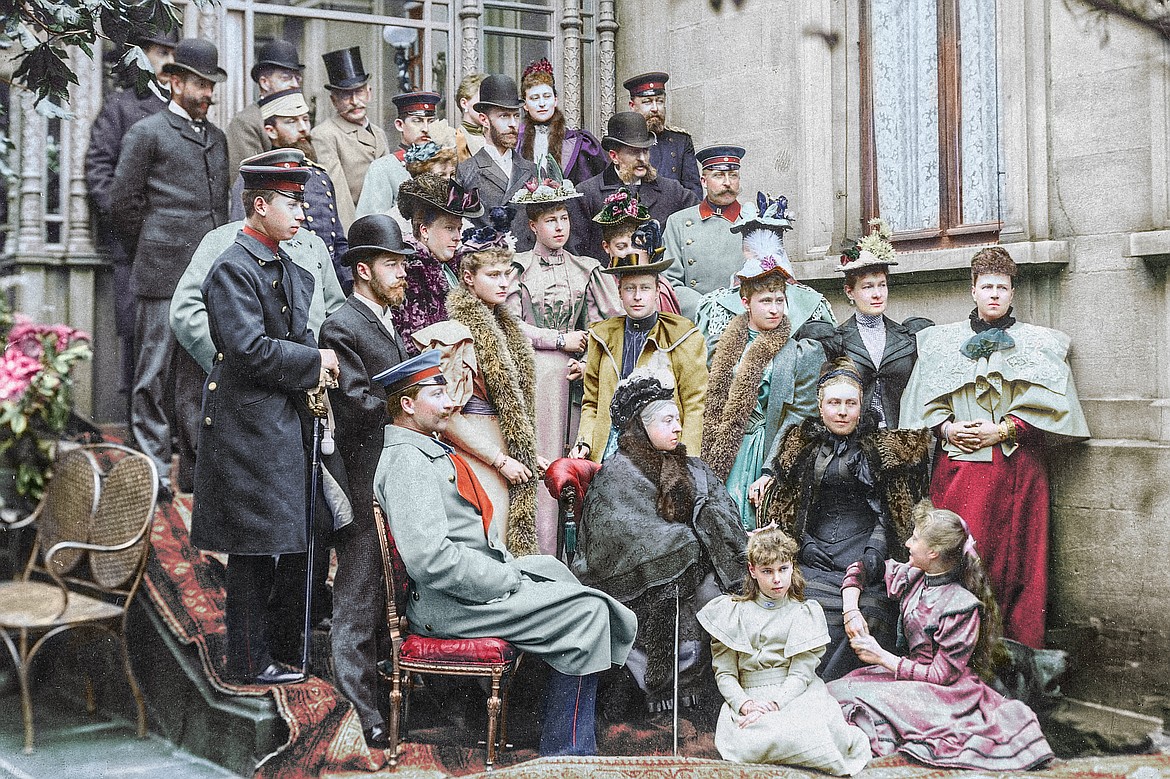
33,139
607,28
470,14
85,102
571,29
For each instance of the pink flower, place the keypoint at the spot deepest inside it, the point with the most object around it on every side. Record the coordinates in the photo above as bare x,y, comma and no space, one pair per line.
17,370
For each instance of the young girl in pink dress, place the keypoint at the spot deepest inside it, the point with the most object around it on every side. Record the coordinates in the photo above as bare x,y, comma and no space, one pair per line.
765,647
932,704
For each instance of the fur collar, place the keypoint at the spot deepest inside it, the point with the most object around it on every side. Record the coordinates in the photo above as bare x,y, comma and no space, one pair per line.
668,471
506,362
732,394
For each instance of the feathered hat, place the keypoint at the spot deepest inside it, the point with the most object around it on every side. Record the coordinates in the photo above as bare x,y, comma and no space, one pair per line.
496,235
873,251
633,394
773,215
549,185
647,237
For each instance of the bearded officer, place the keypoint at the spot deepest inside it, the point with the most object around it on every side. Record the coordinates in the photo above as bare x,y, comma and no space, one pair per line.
674,155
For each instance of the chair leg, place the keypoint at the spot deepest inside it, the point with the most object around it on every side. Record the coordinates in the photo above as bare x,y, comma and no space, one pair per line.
134,689
25,693
493,712
395,715
505,693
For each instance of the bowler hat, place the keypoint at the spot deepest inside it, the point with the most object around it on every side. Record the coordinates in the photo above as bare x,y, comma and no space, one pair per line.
276,54
628,128
195,55
344,68
155,36
372,235
498,91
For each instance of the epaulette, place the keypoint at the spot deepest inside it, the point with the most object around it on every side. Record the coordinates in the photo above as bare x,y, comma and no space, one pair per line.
674,129
313,164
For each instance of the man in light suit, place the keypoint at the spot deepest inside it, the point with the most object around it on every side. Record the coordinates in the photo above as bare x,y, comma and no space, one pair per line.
347,142
496,170
172,188
277,68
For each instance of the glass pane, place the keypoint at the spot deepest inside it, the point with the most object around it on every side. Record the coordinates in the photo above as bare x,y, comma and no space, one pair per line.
505,54
322,35
439,12
979,131
441,76
377,7
269,27
904,36
518,20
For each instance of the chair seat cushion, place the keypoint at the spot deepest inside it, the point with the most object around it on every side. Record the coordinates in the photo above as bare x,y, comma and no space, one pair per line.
35,604
457,651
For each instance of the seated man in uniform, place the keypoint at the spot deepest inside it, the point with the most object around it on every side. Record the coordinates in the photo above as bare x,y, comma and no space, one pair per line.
465,584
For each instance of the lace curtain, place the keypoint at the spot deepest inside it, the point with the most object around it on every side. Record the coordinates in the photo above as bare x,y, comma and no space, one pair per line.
979,131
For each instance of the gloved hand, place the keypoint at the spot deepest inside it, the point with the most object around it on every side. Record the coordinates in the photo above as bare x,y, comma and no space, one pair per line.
812,555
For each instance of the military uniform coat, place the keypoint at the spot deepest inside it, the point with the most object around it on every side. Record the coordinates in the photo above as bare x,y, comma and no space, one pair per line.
662,197
674,158
346,151
484,174
465,584
246,136
380,193
703,251
172,179
250,477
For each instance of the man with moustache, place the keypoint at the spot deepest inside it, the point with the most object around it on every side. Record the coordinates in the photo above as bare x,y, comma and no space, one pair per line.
251,483
674,154
704,253
627,141
121,111
285,117
497,170
416,113
277,69
347,142
363,335
172,188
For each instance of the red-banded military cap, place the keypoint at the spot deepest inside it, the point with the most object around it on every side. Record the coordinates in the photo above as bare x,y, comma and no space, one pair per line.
647,84
416,103
422,370
281,170
720,157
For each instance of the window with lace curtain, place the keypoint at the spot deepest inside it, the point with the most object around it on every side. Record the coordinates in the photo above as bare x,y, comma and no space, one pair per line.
930,121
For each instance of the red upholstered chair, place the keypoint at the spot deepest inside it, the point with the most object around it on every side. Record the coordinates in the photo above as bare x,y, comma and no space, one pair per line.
567,480
491,658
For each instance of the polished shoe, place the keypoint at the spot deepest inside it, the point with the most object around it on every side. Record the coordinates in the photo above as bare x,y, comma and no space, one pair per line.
277,674
377,737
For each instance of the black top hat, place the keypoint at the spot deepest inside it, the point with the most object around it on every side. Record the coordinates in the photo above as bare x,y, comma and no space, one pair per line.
372,235
628,128
195,55
276,54
281,170
344,68
498,91
153,36
416,103
647,84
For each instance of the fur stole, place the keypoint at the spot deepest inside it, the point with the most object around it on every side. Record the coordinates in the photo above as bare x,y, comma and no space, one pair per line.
898,459
556,137
668,471
506,361
732,394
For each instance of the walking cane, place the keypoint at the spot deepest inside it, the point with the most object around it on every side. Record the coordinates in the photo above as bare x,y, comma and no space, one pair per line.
320,411
677,620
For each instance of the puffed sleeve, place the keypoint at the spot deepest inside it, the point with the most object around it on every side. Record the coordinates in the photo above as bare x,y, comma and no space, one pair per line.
601,297
457,357
954,641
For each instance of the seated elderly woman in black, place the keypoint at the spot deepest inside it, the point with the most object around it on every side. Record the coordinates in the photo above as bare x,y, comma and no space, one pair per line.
845,490
655,523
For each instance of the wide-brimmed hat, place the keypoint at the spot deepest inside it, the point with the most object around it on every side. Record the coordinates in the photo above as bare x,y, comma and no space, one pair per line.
195,55
281,170
344,69
874,251
628,128
498,91
549,185
276,54
372,235
156,36
622,206
446,195
771,215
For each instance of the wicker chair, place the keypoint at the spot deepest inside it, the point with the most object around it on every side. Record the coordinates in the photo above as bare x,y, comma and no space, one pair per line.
99,501
491,658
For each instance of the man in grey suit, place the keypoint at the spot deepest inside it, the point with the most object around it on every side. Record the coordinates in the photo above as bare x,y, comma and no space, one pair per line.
362,334
172,188
496,170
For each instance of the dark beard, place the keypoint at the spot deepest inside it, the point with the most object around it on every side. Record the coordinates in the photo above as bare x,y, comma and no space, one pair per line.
626,173
386,294
305,145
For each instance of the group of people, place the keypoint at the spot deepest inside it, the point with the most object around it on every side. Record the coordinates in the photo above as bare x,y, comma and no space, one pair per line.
494,296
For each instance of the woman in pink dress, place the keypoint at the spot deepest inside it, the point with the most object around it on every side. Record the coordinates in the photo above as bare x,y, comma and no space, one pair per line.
932,704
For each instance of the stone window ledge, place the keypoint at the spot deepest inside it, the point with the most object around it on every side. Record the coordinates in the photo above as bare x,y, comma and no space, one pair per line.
1152,246
1033,257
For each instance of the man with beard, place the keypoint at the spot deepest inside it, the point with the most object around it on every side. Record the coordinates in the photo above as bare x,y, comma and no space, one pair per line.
674,155
172,188
285,116
277,69
698,240
121,111
347,142
363,335
628,142
497,170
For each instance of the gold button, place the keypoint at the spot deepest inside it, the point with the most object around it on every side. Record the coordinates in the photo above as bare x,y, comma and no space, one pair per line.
451,478
690,241
330,206
331,233
207,421
689,223
673,154
275,283
211,385
694,283
284,309
309,218
260,261
690,261
219,357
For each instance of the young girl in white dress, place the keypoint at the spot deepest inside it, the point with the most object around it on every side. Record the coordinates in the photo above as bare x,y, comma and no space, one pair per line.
765,646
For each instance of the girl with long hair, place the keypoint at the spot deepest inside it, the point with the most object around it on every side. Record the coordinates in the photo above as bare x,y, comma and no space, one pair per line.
765,647
543,129
934,704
